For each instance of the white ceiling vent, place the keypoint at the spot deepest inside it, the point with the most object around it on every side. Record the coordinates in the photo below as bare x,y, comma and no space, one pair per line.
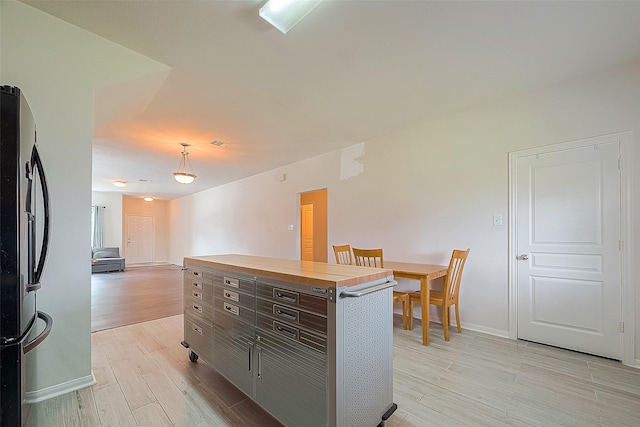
219,143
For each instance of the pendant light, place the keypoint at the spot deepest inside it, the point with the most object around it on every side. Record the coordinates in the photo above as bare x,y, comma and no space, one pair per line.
181,175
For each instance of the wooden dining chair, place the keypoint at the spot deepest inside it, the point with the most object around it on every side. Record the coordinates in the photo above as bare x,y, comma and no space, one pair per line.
374,258
343,254
368,257
449,295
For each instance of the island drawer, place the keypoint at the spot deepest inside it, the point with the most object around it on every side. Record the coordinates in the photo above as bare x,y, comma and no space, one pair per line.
199,310
292,333
234,310
292,297
198,289
233,296
198,274
240,282
199,337
294,316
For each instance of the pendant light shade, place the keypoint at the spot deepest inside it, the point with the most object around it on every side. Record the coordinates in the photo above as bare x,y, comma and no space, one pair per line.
182,175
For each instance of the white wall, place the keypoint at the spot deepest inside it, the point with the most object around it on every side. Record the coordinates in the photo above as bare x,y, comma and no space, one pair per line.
58,66
112,218
422,190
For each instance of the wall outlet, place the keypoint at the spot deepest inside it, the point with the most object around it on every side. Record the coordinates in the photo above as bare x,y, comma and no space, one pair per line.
290,227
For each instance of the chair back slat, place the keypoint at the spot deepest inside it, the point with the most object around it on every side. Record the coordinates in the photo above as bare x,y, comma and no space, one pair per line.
454,274
368,257
343,254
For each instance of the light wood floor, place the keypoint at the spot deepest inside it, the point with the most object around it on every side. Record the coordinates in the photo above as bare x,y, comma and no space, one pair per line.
135,295
144,378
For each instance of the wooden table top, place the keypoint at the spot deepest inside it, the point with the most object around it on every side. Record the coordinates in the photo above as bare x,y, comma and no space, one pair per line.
416,269
307,272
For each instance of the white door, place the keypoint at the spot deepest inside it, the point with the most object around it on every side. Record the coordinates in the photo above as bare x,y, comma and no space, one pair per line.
306,232
140,239
568,243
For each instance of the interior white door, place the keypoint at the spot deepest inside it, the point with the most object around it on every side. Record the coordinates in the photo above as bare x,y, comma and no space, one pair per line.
140,239
306,232
568,242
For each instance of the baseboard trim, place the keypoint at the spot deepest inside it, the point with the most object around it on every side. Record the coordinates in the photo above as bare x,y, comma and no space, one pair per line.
470,326
484,330
59,389
149,264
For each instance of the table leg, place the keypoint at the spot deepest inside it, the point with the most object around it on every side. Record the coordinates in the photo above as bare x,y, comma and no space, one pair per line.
424,306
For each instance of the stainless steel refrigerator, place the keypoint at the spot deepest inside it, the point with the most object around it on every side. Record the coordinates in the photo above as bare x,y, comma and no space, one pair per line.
24,240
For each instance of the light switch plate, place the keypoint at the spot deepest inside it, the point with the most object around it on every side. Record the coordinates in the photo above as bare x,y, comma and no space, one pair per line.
497,220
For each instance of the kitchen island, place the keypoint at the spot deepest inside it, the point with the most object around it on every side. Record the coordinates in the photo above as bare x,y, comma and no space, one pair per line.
312,343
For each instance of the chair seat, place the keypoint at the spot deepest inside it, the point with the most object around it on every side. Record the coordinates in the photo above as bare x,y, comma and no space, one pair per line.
435,297
399,296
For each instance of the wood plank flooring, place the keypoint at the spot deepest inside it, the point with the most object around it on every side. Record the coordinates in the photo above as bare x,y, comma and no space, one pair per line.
135,295
477,379
144,378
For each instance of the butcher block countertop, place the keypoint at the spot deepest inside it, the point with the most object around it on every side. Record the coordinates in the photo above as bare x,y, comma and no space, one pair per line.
311,273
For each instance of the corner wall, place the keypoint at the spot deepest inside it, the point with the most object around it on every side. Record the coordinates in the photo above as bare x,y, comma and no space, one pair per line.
58,66
421,191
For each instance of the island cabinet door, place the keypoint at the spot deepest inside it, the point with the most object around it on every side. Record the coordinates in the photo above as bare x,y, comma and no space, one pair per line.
233,350
291,381
234,330
198,335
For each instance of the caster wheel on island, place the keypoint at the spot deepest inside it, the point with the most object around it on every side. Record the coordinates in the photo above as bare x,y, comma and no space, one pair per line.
192,356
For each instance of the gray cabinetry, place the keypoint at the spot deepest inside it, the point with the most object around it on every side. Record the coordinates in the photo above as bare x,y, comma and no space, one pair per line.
234,330
310,355
291,381
291,346
198,313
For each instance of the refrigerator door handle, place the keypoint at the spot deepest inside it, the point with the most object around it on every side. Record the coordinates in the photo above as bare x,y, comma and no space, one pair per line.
42,335
31,285
9,341
35,272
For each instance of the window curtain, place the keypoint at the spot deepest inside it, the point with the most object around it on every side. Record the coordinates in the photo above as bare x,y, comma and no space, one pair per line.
96,235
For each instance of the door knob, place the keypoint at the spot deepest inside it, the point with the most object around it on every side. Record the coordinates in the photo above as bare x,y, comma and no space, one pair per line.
522,257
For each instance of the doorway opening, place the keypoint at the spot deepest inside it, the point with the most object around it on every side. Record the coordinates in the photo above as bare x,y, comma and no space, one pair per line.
313,226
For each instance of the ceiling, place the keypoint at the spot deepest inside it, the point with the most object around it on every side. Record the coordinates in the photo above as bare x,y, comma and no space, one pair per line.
349,72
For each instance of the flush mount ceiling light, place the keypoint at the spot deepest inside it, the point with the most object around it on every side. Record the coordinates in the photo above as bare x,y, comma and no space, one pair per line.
284,14
148,199
119,184
182,176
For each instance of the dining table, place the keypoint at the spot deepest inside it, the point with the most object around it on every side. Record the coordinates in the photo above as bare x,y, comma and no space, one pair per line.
424,273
